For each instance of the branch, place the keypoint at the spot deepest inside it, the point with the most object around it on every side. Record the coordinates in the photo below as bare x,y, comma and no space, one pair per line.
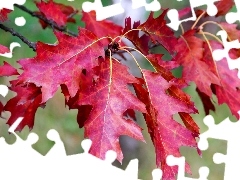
43,18
14,33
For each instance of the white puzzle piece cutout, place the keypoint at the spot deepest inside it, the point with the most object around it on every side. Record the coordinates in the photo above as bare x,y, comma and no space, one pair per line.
56,164
229,131
12,46
116,9
9,4
232,17
152,6
224,53
3,90
174,16
180,162
103,12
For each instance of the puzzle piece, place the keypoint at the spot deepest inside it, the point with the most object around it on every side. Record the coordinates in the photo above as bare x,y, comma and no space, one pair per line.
174,16
3,90
224,53
116,9
232,17
9,3
229,131
19,21
19,157
153,6
103,12
180,162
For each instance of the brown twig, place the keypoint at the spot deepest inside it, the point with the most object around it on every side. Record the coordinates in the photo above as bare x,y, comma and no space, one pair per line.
43,18
14,33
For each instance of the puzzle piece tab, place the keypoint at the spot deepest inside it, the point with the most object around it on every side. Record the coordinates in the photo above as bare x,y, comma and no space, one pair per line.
116,9
12,46
9,3
152,6
232,17
174,16
180,162
224,53
229,131
103,12
16,158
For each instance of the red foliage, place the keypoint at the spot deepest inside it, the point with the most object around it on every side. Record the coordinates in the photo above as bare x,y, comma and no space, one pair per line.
62,63
224,6
59,13
4,49
109,97
96,82
101,28
4,14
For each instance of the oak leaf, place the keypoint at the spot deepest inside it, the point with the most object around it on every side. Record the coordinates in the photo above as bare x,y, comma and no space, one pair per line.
24,104
159,32
61,63
189,55
228,90
224,6
4,14
109,96
141,43
7,70
101,28
59,13
167,134
4,49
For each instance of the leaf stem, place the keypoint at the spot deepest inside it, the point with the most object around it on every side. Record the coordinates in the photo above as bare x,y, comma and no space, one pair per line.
206,40
214,62
49,22
85,48
210,34
133,59
141,54
141,70
212,22
198,19
14,33
126,33
110,81
182,29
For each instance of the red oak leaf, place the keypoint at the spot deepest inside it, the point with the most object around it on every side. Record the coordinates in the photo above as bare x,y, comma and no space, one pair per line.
7,70
206,100
4,49
141,43
224,6
163,67
4,14
160,32
231,30
167,134
25,104
109,96
190,54
233,34
228,91
101,28
62,63
59,13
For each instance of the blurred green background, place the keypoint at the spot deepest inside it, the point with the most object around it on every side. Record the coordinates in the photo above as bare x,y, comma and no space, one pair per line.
57,116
